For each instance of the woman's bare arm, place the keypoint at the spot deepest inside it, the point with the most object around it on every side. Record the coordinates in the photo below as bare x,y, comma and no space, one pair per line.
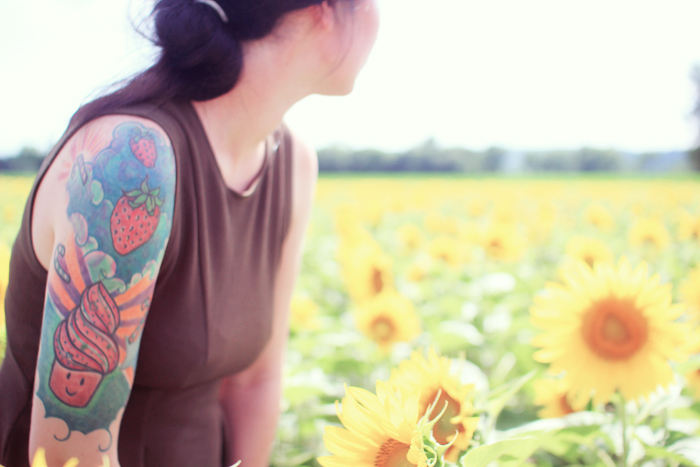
104,209
251,398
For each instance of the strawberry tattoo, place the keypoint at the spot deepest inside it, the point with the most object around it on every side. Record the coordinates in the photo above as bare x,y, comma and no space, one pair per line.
135,218
144,148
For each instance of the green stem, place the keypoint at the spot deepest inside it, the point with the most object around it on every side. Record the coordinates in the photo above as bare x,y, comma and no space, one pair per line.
625,440
605,457
440,462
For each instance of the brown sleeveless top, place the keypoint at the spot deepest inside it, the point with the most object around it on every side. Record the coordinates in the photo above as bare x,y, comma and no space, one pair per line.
211,313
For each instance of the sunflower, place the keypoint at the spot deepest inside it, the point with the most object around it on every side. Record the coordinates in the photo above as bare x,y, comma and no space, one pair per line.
447,249
367,270
353,238
304,313
693,376
504,211
347,219
9,214
552,394
690,293
609,328
476,208
440,224
540,230
598,216
40,460
410,236
649,231
380,431
588,250
433,377
468,233
688,227
415,272
387,319
547,213
4,278
501,242
373,212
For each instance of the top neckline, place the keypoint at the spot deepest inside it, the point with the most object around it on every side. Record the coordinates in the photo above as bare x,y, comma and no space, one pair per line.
271,146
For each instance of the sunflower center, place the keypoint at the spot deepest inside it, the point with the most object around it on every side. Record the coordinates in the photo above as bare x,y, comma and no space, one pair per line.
382,328
495,247
377,281
444,429
650,240
393,454
412,240
564,405
615,329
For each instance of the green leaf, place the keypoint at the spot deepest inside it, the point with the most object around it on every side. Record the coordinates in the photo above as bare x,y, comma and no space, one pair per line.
658,452
155,192
133,193
150,205
500,396
144,185
159,201
560,443
138,201
519,448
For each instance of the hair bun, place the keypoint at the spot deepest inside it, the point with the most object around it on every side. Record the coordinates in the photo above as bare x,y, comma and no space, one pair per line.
199,50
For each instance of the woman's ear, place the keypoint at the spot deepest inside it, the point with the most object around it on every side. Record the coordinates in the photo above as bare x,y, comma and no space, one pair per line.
327,16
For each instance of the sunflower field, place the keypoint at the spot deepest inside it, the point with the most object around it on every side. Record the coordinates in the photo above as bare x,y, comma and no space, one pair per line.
505,322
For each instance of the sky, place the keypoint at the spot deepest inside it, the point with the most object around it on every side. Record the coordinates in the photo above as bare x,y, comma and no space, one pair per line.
520,74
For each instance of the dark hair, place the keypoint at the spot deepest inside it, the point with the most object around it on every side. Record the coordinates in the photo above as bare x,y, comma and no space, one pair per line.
201,56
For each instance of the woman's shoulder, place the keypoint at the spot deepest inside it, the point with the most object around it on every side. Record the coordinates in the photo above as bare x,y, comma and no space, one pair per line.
108,155
110,144
165,121
111,131
305,172
305,160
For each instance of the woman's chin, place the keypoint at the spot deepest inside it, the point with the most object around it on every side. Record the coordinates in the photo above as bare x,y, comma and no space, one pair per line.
337,89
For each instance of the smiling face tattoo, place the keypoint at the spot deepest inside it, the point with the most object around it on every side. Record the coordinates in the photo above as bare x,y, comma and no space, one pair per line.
85,347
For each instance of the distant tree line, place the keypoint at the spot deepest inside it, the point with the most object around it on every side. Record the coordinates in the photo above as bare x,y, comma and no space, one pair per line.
582,160
27,160
427,157
694,154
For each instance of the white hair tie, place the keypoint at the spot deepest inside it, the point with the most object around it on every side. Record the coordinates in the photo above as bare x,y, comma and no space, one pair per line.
216,7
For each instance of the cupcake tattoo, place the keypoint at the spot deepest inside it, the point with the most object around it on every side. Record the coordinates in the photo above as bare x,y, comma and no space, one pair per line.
85,347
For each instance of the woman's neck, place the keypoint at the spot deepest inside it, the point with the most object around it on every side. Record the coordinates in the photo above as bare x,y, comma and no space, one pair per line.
238,122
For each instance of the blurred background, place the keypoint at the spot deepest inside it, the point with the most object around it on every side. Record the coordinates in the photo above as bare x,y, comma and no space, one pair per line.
452,85
489,149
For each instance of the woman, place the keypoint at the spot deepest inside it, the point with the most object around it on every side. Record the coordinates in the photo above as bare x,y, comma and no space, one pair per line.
182,198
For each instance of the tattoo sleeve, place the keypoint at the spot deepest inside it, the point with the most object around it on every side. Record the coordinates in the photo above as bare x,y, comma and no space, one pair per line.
102,275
